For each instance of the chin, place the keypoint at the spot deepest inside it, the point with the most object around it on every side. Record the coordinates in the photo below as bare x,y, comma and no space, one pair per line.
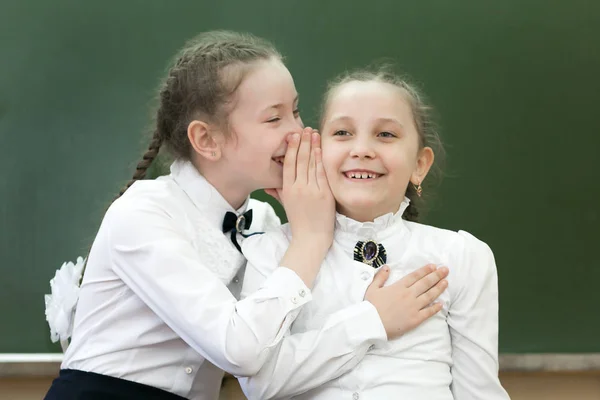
355,204
273,183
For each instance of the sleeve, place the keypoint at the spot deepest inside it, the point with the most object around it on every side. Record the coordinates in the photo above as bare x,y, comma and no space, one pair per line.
304,361
156,260
473,322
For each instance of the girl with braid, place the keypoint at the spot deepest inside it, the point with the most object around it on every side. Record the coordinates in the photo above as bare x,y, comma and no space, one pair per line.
377,141
157,315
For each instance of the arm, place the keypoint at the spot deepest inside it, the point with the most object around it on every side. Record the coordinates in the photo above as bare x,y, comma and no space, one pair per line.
473,321
304,361
155,259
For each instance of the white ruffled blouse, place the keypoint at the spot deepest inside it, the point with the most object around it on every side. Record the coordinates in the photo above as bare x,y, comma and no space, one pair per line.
452,356
158,300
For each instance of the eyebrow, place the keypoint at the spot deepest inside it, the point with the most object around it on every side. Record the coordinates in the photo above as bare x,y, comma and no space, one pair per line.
281,105
345,118
392,120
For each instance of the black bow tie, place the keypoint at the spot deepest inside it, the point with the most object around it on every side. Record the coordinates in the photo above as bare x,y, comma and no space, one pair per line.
235,224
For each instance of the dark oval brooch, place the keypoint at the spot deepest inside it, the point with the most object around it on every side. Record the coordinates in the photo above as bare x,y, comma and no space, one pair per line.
371,253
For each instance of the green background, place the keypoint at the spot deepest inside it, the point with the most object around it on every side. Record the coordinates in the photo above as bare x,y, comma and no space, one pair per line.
515,84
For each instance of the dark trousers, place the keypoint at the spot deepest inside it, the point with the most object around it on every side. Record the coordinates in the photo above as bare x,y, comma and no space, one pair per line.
80,385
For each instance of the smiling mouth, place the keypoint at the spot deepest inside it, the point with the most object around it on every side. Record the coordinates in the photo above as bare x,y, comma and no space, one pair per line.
362,175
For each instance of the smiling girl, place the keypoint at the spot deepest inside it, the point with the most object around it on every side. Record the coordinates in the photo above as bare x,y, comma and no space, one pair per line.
378,147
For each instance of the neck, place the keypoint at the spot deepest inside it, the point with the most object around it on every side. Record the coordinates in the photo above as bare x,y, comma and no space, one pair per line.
365,213
360,215
232,190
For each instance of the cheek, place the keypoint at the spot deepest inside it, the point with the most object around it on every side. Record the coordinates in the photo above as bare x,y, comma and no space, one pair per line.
248,144
330,157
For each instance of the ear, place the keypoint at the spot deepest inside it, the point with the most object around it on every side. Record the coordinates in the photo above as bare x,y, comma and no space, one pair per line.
203,140
424,162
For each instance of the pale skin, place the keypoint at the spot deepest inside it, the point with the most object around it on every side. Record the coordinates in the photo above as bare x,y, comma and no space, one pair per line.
265,128
371,152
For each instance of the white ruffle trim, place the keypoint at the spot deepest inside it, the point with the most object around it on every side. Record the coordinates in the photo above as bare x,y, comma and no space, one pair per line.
61,302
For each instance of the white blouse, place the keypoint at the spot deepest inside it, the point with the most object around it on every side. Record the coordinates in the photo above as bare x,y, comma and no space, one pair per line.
453,355
158,300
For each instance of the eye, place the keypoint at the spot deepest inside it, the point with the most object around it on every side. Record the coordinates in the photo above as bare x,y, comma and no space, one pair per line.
296,113
275,119
387,134
341,133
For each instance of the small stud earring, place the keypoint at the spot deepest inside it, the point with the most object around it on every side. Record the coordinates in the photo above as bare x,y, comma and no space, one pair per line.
418,188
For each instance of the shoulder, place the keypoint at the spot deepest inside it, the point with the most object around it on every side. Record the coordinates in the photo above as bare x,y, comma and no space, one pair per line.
473,246
147,204
472,266
156,193
433,239
476,259
466,255
455,242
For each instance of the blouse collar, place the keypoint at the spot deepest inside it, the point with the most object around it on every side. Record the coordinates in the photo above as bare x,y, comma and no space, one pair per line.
204,195
379,224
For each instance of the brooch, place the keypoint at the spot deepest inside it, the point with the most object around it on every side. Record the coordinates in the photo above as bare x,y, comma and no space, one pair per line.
370,253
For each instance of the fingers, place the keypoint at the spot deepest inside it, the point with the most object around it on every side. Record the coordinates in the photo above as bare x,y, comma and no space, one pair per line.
427,282
321,176
303,156
289,164
312,163
429,312
432,294
417,275
380,277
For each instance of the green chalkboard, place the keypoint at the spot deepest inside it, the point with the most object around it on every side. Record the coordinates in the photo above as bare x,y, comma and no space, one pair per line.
515,84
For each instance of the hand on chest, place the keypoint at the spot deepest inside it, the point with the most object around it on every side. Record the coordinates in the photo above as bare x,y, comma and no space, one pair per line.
342,282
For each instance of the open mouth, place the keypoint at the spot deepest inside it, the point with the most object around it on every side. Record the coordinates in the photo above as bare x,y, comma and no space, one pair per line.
362,175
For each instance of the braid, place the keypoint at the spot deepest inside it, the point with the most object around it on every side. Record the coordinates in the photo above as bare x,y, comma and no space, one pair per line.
145,162
140,173
199,84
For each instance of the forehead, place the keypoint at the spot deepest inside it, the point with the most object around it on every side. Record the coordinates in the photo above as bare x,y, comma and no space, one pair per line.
369,100
267,83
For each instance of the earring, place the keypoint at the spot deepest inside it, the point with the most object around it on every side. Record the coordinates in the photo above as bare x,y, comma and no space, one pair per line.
418,188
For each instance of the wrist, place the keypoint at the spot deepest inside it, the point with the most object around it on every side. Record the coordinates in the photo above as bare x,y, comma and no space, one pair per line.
314,245
305,259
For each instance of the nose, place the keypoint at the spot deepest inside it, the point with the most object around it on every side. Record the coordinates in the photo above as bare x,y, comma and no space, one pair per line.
294,125
362,148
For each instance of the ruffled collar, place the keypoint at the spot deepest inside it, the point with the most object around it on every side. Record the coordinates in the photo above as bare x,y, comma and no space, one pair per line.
202,193
369,229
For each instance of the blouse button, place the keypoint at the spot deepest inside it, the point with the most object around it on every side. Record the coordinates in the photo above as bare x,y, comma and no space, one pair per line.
236,279
365,275
189,370
302,293
294,300
355,396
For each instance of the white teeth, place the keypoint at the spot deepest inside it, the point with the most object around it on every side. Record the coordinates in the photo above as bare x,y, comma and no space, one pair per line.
361,175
